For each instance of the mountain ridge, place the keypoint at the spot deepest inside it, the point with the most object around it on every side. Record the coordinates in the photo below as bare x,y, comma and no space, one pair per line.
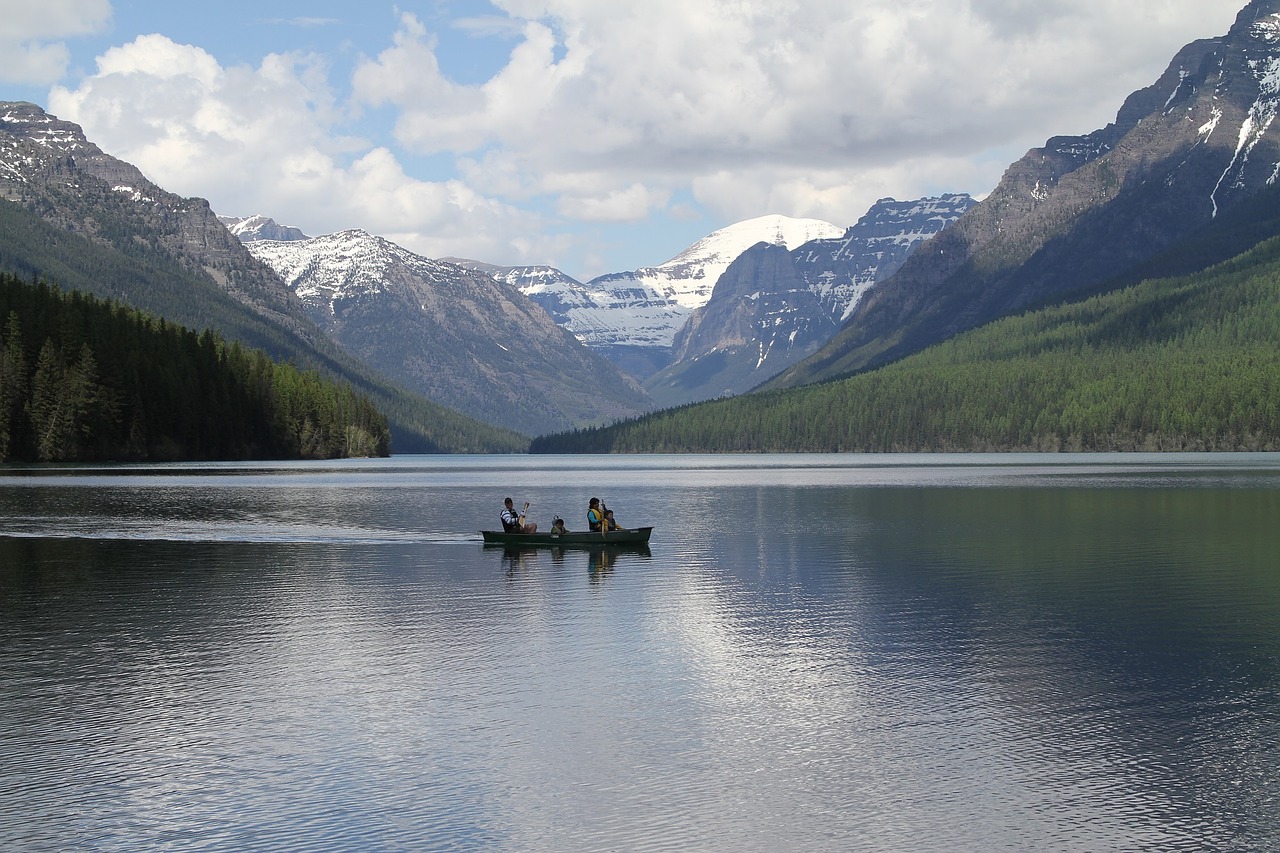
456,335
72,213
1073,216
772,308
632,317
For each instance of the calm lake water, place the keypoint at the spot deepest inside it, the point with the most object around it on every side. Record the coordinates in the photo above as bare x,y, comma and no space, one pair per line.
815,653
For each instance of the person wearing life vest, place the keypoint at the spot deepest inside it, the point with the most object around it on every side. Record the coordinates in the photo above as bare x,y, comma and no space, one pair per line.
513,522
595,515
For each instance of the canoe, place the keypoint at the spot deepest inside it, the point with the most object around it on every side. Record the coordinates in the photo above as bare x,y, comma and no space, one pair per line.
575,538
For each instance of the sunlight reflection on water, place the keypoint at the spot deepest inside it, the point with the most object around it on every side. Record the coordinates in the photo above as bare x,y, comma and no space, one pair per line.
809,656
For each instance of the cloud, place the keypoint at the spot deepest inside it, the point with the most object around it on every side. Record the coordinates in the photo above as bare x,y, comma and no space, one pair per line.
606,113
629,204
269,140
813,102
32,34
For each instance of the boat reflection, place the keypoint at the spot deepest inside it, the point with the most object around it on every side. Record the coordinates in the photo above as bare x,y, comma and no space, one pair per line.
599,561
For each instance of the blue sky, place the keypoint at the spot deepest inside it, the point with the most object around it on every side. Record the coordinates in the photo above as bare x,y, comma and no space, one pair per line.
592,135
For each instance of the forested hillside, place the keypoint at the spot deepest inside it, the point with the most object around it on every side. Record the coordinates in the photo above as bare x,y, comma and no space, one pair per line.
1082,213
159,283
82,379
1188,363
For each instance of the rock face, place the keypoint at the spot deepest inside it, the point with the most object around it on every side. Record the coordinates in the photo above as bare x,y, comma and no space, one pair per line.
773,307
761,317
456,335
632,317
51,170
1193,154
842,270
258,227
85,220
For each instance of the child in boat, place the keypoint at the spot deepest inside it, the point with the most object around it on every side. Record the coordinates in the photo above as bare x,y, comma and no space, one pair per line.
557,526
609,523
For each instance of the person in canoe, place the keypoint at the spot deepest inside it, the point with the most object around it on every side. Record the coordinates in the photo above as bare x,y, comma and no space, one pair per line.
609,523
595,515
557,526
513,522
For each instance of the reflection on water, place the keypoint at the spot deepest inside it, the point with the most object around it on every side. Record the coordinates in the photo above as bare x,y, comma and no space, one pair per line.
598,561
826,653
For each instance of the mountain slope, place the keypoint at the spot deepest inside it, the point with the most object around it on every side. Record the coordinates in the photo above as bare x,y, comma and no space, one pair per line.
1181,364
1083,214
246,229
632,317
772,307
458,336
81,218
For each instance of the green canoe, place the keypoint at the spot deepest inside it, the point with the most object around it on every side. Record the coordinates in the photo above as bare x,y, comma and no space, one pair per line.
574,538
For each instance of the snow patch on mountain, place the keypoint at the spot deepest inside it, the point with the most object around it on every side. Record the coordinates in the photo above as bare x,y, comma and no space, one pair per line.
841,271
249,229
689,277
321,270
646,307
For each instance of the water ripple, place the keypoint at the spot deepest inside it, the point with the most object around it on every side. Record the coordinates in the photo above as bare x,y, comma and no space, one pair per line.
944,669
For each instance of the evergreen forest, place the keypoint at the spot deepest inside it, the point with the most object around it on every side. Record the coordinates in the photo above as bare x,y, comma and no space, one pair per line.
132,271
1178,364
84,379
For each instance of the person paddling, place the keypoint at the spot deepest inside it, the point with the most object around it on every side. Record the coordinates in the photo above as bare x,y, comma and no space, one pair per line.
595,515
513,522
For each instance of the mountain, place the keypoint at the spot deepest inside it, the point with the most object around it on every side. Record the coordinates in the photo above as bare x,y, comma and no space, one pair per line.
771,307
632,317
50,169
71,214
841,270
1189,160
258,227
458,336
1187,363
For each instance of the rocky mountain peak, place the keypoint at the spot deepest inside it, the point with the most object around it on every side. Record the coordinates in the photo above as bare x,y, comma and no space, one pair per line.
454,334
247,229
1086,213
49,165
772,307
38,149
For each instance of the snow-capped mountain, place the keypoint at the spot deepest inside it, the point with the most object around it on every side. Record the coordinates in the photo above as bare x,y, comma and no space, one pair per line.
258,227
456,335
1186,175
840,271
689,277
771,308
95,224
633,317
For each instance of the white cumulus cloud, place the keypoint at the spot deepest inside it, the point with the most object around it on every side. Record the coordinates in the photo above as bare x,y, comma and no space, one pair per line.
33,34
268,139
600,113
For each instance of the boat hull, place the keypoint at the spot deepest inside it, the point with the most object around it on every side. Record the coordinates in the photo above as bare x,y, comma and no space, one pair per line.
630,537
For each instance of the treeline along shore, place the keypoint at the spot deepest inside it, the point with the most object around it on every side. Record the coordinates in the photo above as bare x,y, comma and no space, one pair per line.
1180,364
83,379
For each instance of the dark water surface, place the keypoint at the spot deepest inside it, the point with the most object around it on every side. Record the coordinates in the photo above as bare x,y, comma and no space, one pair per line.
816,652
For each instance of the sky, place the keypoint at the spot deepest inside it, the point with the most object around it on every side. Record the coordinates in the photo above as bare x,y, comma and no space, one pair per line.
592,135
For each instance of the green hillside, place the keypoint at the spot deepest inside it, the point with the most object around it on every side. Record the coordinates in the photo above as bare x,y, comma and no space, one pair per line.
131,270
82,379
1189,363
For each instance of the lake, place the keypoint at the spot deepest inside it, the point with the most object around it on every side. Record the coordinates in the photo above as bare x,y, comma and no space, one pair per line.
821,652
